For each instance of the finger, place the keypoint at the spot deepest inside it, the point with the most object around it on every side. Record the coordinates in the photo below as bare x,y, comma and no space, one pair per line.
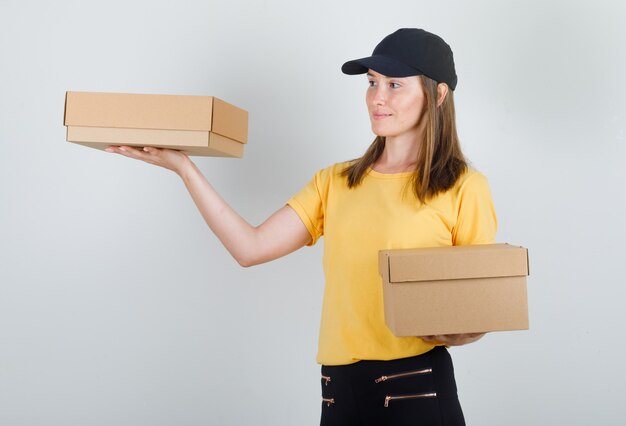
120,149
435,340
132,149
115,149
132,152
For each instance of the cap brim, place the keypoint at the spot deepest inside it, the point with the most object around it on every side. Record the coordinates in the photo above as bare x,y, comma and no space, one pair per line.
382,64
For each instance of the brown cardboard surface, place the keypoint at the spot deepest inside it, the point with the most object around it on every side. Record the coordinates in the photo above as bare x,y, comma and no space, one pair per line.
197,125
230,121
189,142
449,290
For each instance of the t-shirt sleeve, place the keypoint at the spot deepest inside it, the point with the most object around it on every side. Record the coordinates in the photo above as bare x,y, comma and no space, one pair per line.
310,203
476,221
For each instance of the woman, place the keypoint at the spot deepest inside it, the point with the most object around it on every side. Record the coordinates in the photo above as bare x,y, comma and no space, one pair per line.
412,188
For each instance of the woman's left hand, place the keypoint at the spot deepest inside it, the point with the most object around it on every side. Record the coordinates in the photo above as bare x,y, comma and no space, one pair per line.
453,339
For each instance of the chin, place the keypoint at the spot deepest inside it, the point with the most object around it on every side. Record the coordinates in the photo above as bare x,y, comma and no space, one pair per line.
383,134
380,132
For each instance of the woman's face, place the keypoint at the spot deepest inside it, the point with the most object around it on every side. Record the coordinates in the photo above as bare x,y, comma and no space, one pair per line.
395,104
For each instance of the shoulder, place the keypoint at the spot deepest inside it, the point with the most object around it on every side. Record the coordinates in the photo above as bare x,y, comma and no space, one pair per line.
477,222
337,168
471,180
333,172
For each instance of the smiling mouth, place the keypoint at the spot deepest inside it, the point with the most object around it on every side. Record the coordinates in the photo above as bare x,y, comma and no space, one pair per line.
380,116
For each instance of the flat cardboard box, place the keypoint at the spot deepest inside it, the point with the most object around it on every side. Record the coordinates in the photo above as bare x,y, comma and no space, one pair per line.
196,125
459,289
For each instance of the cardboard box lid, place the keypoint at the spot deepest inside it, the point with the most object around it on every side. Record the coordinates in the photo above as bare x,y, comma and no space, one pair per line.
167,112
457,262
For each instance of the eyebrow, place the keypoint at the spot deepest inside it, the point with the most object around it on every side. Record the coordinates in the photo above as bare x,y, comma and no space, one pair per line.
369,74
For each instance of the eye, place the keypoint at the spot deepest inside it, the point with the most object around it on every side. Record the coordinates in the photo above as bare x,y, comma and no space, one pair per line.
371,83
394,85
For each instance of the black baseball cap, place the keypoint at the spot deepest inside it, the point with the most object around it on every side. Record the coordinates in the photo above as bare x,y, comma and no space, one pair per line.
408,52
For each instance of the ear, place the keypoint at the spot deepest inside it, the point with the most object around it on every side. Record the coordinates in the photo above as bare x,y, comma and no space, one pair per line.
442,91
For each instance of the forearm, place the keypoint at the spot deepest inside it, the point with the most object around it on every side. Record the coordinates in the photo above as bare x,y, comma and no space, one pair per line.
237,235
282,233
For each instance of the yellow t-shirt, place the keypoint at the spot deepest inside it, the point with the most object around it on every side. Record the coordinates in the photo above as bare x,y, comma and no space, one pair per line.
381,213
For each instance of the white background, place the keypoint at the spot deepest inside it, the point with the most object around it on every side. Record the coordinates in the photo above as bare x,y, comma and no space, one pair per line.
119,307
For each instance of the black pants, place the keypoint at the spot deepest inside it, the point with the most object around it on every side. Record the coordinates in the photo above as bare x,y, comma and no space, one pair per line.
414,391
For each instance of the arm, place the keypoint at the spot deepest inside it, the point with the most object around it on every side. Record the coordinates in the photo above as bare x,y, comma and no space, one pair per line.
282,233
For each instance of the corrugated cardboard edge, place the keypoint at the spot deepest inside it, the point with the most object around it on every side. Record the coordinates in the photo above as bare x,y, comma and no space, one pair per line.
65,109
65,116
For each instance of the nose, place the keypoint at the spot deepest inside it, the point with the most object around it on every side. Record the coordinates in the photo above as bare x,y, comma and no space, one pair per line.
377,96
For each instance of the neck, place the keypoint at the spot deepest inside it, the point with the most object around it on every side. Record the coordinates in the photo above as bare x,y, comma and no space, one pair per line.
400,154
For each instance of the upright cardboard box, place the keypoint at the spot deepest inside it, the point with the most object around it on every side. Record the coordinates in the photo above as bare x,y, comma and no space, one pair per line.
196,125
460,289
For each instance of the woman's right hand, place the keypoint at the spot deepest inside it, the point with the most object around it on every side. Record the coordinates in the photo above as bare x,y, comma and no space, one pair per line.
453,339
170,159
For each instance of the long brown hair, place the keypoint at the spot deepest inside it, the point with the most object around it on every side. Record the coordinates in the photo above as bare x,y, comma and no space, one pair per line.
440,161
